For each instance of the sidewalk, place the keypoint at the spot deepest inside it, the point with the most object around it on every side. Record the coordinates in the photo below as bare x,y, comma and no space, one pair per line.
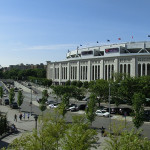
22,126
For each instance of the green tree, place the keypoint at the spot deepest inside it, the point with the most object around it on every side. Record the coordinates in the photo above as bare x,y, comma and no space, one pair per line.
138,109
90,111
86,84
20,98
42,105
68,83
51,129
79,136
79,84
122,139
1,92
11,96
100,89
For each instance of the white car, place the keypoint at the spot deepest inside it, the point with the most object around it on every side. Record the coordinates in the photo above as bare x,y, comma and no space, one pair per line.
53,105
102,113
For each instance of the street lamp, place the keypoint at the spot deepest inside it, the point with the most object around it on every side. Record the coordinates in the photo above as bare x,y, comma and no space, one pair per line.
36,118
31,102
109,111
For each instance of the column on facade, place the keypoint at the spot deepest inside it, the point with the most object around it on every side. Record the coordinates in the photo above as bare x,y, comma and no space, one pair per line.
102,69
111,71
107,72
94,72
142,69
59,73
116,66
146,69
134,67
89,72
78,70
68,73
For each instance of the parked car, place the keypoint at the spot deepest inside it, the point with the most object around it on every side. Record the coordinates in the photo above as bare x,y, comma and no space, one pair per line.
102,113
16,89
82,107
6,102
146,115
72,107
114,110
50,102
53,105
39,100
86,99
125,111
14,105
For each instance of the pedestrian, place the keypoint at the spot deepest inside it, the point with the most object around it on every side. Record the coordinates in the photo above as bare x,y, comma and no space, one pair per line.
28,116
20,116
15,117
102,131
24,116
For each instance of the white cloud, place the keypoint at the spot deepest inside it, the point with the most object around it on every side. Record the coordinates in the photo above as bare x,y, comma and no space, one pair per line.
52,47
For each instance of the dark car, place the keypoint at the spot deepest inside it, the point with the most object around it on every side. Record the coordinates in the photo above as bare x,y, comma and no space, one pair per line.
14,105
125,111
50,102
146,115
39,100
6,102
114,110
82,107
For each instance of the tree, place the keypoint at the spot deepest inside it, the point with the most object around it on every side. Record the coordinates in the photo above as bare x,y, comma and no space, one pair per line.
90,111
138,109
51,130
11,96
54,134
20,98
122,139
1,92
42,105
128,87
79,136
100,89
68,83
79,84
86,84
62,108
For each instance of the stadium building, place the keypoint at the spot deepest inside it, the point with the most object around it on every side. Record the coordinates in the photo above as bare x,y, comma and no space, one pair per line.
101,62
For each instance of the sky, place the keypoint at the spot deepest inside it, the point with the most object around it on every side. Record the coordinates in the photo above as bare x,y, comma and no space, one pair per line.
36,31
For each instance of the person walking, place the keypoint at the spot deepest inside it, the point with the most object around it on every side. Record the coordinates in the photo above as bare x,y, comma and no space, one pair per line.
102,131
28,116
15,117
20,116
24,116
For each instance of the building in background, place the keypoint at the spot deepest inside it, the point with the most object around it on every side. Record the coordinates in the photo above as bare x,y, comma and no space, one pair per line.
101,62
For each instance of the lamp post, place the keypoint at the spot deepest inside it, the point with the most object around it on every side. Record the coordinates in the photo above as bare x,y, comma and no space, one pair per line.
109,111
36,118
31,102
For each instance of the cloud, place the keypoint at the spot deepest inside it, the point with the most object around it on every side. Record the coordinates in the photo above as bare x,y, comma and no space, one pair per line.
52,47
44,47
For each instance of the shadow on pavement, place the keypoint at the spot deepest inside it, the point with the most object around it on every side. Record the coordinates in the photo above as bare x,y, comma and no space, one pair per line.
3,144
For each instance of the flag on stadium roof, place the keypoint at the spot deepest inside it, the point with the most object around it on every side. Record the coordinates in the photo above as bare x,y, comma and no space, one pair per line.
119,38
108,40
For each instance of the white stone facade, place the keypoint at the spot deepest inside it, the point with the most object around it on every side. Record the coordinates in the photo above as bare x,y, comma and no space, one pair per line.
101,62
